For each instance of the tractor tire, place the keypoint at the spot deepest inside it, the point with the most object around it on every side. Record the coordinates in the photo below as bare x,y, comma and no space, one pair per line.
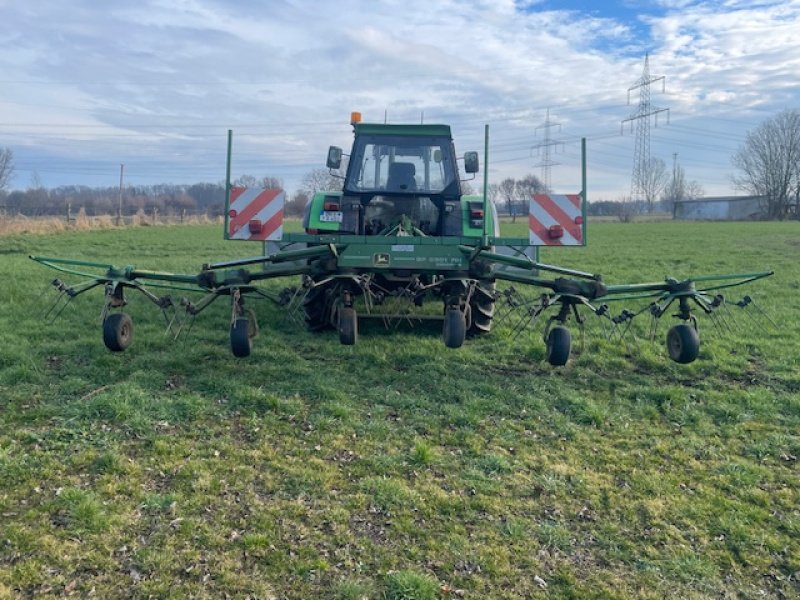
683,343
454,330
482,309
317,306
241,338
117,331
558,346
348,326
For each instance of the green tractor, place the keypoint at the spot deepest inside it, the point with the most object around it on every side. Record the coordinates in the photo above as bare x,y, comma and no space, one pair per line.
401,233
402,198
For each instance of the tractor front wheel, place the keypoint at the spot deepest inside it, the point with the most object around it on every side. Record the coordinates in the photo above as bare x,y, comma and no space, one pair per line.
117,331
348,326
241,338
454,329
558,345
683,343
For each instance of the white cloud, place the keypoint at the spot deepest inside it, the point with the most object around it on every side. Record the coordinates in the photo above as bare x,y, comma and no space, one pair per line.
156,84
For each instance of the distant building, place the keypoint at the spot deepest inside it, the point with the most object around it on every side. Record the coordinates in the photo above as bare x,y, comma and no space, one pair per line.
721,208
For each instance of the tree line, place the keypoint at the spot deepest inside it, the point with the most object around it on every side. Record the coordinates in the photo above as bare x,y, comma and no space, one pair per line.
768,165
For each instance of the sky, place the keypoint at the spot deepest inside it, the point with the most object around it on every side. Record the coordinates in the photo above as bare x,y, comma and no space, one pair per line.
155,84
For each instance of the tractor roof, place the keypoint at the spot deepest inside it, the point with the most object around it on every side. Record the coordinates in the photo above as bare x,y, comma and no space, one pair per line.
409,130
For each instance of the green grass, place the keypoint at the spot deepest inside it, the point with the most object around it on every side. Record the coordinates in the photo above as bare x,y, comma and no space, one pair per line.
397,468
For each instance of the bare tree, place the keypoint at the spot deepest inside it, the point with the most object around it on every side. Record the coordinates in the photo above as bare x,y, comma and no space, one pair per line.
530,185
271,183
654,180
507,190
6,167
678,189
320,180
694,190
245,181
297,205
770,163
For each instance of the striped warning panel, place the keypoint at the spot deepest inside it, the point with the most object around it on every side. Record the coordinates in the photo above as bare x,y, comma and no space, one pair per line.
555,220
255,214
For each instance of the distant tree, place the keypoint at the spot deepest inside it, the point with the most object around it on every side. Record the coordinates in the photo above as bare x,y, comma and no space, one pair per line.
528,186
320,180
507,190
654,180
678,189
37,198
247,181
6,167
271,183
769,161
297,205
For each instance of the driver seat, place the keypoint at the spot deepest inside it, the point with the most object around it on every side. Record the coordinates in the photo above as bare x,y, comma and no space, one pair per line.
401,177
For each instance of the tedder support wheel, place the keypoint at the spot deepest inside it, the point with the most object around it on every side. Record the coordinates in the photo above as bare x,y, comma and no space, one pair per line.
558,343
117,331
683,343
348,326
454,329
241,338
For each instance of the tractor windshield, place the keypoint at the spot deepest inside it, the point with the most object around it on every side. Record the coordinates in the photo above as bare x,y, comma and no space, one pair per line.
401,164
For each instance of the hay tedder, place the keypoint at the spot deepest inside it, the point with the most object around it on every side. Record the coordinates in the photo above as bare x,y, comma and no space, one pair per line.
399,235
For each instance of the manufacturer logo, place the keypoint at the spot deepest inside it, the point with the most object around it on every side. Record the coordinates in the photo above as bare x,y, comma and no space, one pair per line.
381,259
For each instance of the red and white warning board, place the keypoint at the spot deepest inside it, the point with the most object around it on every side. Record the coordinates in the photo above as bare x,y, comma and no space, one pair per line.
255,214
556,220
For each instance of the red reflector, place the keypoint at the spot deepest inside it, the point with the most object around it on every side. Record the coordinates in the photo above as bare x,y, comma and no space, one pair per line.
254,226
232,213
578,220
331,206
555,232
312,231
476,213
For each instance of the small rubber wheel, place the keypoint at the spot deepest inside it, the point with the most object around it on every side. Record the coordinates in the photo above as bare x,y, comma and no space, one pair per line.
683,343
117,331
241,338
558,344
348,326
454,329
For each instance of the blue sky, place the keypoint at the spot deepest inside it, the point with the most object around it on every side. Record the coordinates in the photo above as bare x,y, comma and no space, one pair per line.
156,84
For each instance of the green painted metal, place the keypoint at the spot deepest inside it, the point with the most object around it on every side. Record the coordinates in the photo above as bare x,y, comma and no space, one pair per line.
317,206
485,181
402,130
228,184
584,197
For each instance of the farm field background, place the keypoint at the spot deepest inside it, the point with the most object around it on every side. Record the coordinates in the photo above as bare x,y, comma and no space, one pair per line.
398,468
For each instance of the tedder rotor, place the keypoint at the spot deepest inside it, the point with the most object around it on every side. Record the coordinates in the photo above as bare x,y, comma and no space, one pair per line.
400,234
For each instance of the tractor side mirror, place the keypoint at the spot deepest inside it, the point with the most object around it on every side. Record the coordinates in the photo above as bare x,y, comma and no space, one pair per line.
471,162
334,157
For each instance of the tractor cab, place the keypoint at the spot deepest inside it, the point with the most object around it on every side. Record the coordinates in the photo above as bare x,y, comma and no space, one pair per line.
400,180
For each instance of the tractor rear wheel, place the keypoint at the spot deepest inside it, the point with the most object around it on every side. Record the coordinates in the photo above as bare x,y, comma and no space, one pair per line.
317,306
482,308
683,343
558,345
348,326
241,338
117,331
454,329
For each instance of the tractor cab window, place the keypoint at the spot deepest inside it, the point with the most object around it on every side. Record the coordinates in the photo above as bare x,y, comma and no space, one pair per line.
401,165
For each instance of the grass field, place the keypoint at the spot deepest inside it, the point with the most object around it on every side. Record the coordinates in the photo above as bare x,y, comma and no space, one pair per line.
396,468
